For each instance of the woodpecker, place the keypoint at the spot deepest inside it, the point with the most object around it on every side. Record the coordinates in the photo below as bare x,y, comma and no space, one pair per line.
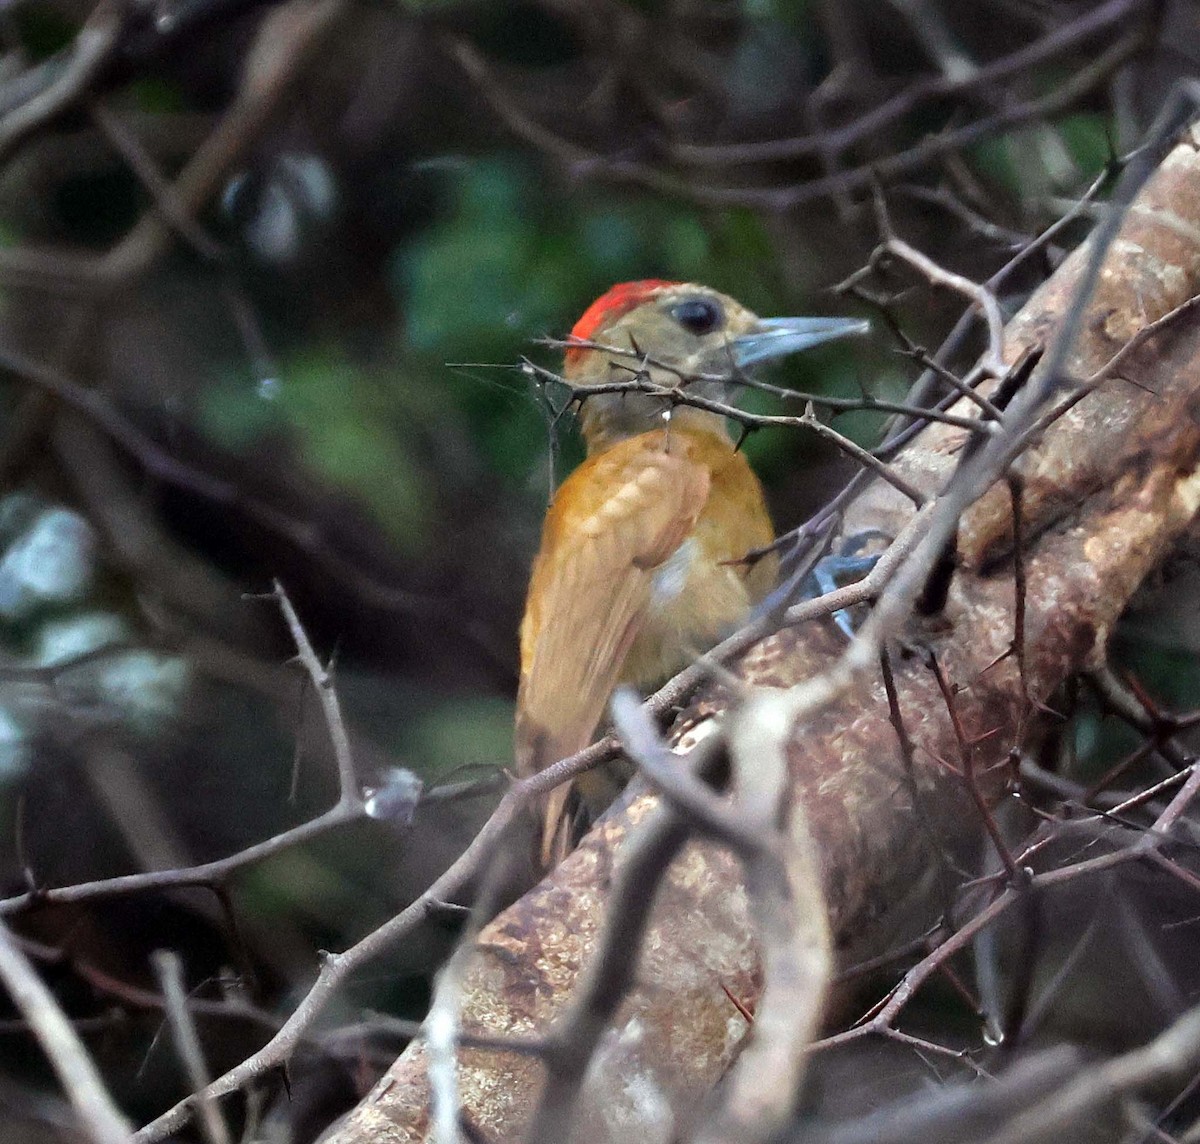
641,565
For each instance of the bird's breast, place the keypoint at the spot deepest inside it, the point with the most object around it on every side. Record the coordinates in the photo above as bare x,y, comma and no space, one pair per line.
671,578
704,590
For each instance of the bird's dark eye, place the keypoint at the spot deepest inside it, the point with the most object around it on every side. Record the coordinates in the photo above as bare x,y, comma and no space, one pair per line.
698,315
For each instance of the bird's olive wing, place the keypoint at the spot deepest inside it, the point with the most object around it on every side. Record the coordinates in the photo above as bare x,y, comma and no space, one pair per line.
611,525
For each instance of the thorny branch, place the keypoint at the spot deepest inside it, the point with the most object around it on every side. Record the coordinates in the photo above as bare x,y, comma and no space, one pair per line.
841,181
92,49
285,42
641,382
349,787
98,1114
187,1041
350,806
754,822
844,678
1148,845
926,91
336,968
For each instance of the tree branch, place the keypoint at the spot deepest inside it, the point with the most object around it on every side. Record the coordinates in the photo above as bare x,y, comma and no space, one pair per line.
844,763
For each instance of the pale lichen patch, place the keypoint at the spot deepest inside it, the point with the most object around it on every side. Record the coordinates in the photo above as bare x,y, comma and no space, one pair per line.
1185,497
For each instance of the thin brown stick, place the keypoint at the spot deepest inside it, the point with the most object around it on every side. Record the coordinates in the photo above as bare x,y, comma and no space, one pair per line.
93,47
169,968
982,298
349,789
863,456
286,39
966,768
1172,1056
337,967
98,1115
1061,98
1113,14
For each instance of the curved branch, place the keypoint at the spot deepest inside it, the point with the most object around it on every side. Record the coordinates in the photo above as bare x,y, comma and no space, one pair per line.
877,811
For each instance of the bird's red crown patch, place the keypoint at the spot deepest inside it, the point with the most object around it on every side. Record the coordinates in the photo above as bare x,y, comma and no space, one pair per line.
614,302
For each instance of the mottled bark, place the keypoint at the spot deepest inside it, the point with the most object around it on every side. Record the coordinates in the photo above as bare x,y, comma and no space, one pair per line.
1109,489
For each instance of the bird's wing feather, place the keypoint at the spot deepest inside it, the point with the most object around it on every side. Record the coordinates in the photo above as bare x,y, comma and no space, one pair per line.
612,524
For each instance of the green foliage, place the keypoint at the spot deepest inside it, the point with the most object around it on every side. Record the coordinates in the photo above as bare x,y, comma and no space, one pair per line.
1168,667
464,732
1020,164
352,429
511,262
486,277
994,159
1089,139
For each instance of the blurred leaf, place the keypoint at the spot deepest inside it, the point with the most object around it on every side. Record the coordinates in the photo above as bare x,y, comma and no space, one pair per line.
508,264
235,416
473,284
993,159
461,732
51,562
1089,140
346,426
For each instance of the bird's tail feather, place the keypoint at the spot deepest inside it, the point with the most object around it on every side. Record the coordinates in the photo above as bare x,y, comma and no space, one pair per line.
535,750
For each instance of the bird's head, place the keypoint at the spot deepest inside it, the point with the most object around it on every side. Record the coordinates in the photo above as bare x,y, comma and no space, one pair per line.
682,335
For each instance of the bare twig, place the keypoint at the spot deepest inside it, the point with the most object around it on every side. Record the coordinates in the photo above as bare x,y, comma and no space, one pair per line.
1109,370
783,879
349,789
1146,846
442,1034
705,810
285,41
187,1042
128,995
99,1116
337,967
126,144
981,297
93,47
573,1040
199,875
640,381
1015,486
161,464
1112,14
865,458
1171,1057
966,753
349,808
1056,101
